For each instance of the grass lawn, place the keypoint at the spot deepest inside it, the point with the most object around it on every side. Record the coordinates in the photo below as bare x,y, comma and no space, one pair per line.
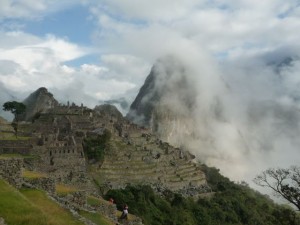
63,190
31,207
93,201
55,215
17,209
96,218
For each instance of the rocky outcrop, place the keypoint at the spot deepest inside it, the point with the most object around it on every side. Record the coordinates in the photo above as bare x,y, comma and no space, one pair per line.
39,101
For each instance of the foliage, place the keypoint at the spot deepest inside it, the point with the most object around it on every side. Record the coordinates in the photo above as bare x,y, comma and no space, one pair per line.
95,146
16,108
285,182
232,204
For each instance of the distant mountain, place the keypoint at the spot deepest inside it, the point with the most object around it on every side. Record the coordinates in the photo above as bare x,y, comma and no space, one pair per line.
168,104
108,109
167,81
38,102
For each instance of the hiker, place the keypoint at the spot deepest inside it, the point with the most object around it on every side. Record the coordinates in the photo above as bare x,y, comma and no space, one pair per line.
111,200
124,213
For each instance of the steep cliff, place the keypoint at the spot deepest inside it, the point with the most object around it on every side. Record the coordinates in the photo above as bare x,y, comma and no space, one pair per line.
38,102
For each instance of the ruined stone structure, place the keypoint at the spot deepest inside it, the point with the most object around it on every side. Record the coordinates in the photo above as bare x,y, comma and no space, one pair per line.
43,183
11,170
134,156
16,147
141,158
76,200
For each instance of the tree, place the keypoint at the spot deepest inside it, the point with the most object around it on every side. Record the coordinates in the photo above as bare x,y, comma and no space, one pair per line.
284,182
16,108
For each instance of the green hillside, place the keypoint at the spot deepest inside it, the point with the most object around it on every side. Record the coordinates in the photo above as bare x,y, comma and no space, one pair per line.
231,204
33,207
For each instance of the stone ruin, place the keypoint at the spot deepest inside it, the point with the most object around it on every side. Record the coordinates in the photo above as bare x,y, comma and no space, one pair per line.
134,156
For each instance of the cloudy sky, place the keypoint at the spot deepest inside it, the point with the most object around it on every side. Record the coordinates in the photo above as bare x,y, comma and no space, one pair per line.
89,51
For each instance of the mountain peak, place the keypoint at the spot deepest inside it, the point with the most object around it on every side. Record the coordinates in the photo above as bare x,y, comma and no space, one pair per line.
167,85
37,102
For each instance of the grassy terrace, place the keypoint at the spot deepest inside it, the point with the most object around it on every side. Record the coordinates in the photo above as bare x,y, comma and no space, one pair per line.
13,138
31,207
63,190
32,174
7,156
96,218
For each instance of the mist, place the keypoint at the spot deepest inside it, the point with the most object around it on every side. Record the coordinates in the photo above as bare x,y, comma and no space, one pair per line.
240,115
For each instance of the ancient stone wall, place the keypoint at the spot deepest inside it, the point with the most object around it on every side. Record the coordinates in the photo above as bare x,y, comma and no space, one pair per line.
76,200
15,146
44,183
11,170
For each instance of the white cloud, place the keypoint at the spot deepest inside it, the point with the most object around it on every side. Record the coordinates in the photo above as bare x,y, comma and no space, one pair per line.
126,67
215,25
41,53
37,62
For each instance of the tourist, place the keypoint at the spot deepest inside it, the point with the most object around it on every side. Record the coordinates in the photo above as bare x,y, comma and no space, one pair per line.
124,213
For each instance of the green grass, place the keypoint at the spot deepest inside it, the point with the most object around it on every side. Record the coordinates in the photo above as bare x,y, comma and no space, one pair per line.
93,201
13,138
96,218
31,207
54,213
63,190
32,174
17,209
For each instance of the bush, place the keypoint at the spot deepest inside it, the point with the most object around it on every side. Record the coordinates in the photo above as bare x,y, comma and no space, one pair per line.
95,147
233,204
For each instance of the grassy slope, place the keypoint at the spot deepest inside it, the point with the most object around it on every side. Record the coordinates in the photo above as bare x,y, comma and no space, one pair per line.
31,207
96,218
53,212
16,209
